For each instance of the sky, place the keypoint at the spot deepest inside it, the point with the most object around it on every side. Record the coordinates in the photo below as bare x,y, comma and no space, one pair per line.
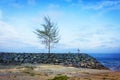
93,26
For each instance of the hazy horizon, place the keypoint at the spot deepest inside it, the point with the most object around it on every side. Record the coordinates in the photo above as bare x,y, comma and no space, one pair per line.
92,26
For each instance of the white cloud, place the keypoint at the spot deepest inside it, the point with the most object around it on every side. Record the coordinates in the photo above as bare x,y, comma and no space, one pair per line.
6,30
92,38
103,5
7,34
10,37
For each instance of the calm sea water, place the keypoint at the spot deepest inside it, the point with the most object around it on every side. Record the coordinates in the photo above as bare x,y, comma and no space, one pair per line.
112,61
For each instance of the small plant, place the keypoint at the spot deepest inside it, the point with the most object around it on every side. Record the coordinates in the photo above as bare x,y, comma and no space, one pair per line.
60,77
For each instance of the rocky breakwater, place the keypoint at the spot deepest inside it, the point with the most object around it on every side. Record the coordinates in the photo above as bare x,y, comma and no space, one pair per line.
75,60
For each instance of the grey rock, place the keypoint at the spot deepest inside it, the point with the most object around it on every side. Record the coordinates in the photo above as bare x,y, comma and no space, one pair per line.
75,60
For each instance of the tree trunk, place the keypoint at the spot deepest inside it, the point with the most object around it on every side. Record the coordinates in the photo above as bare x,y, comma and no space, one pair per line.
48,51
49,47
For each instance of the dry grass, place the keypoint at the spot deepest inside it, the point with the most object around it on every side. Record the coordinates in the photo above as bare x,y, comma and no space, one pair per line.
45,72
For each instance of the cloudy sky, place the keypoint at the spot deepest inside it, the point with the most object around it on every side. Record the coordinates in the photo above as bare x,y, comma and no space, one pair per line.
93,26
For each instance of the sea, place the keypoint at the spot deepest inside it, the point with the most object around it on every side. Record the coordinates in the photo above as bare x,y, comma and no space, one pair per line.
112,61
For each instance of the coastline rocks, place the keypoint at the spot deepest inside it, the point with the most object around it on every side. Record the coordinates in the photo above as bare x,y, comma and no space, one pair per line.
75,60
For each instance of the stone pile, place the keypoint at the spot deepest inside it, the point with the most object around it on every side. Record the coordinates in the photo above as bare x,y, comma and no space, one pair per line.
75,60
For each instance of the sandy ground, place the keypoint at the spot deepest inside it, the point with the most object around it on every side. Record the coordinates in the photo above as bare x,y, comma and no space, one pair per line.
45,72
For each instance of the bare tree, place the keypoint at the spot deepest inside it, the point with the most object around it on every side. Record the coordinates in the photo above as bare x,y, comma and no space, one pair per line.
49,35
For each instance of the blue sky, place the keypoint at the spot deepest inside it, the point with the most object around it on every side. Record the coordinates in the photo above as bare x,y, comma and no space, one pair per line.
93,26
